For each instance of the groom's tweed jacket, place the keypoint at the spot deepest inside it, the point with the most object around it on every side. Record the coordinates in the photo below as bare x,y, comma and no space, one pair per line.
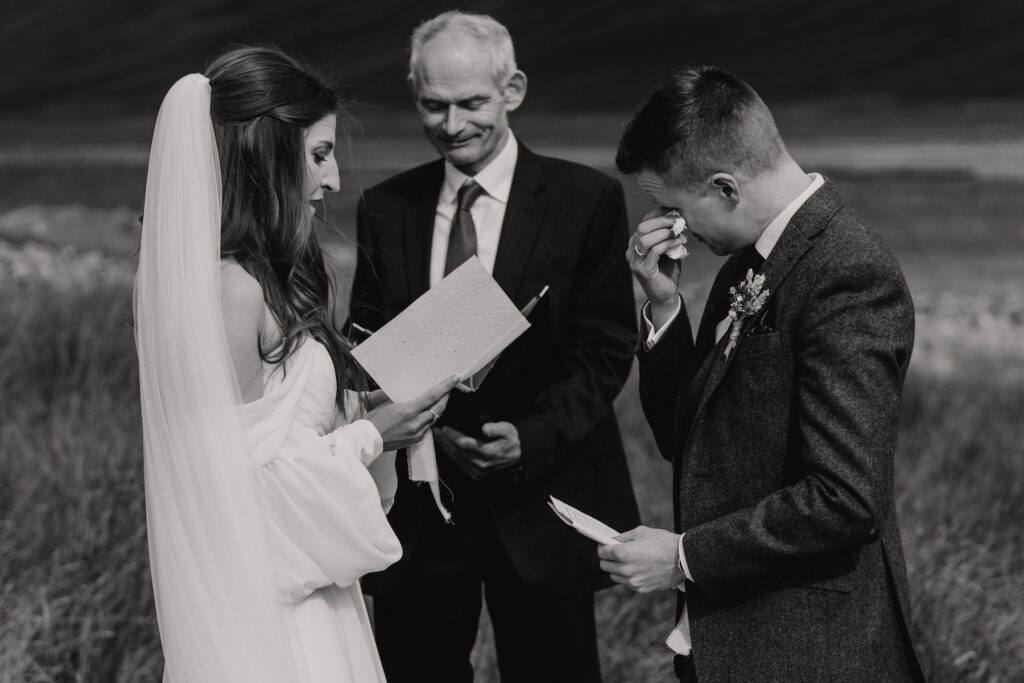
783,460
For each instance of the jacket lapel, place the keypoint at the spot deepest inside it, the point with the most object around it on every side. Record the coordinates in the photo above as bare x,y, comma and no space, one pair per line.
715,310
418,231
523,218
796,239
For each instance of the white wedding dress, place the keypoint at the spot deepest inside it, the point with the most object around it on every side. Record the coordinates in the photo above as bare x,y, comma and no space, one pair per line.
324,492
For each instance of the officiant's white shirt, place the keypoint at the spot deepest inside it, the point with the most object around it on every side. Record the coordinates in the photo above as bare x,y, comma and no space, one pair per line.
488,211
679,640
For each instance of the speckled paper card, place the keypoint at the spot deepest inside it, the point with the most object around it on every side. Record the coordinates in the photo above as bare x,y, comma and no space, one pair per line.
456,328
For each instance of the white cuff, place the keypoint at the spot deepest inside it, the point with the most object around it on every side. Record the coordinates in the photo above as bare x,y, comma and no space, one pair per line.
682,560
679,640
654,335
364,433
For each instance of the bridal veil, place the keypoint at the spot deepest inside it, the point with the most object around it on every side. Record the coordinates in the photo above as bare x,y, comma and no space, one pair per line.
219,616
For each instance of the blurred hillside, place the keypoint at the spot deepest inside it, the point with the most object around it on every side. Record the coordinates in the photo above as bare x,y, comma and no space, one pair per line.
121,55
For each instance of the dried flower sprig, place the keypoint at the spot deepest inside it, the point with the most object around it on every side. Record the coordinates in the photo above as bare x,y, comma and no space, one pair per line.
744,301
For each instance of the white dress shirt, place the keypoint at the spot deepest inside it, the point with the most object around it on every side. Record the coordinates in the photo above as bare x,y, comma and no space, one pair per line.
679,640
488,211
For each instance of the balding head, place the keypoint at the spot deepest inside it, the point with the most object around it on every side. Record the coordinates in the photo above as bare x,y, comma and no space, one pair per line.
466,34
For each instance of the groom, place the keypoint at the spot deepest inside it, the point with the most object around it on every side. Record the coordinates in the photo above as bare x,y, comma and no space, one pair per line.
780,420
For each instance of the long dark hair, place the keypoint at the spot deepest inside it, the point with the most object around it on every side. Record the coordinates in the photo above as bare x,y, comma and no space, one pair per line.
262,100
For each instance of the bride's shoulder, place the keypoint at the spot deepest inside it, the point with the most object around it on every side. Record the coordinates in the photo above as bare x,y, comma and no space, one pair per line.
241,294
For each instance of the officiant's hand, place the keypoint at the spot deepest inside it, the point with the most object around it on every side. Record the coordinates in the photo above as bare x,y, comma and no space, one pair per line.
403,424
658,277
645,560
481,459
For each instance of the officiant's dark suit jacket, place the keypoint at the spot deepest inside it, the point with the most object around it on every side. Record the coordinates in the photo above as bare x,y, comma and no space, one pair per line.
783,460
565,227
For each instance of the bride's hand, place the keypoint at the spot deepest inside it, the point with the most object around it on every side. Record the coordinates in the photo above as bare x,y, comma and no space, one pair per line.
375,399
403,424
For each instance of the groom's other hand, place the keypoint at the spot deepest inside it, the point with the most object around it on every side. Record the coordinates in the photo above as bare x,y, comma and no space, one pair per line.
658,277
481,459
646,560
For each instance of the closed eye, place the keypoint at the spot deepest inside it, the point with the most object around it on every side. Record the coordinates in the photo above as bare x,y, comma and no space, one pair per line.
433,105
473,103
321,152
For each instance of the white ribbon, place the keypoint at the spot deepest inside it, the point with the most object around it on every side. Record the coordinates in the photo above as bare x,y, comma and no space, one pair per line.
423,467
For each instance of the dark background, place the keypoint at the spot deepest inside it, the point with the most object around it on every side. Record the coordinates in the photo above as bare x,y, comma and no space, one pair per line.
601,54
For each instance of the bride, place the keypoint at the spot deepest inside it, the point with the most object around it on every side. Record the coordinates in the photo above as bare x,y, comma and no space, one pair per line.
267,472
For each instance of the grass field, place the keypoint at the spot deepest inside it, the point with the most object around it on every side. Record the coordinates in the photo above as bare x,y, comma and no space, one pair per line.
74,586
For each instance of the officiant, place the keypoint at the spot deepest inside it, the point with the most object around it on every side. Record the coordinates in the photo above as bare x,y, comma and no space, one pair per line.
542,422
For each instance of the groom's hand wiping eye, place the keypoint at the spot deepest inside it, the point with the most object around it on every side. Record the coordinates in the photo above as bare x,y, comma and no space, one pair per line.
646,256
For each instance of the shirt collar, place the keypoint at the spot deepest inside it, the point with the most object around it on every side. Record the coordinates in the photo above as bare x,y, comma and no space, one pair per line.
770,237
495,178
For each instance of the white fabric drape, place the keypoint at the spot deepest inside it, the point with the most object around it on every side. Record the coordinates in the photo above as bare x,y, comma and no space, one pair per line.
324,490
216,593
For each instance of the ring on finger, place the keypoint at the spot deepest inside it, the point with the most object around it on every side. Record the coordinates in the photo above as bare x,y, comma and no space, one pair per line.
641,254
434,416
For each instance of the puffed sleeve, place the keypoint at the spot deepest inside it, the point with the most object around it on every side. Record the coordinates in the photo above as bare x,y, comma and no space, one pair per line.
380,465
327,524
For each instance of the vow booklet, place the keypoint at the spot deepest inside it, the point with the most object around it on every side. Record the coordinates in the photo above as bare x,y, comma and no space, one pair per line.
584,523
458,327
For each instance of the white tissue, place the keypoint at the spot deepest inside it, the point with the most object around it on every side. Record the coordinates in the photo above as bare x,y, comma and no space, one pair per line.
677,251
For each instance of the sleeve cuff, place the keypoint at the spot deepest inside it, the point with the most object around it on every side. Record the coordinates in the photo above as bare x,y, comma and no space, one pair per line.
682,562
366,432
653,335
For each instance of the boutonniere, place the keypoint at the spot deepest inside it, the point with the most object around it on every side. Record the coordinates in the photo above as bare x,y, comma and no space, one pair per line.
744,301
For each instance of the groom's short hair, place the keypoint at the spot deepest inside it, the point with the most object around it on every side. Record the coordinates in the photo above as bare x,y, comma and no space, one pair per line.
702,121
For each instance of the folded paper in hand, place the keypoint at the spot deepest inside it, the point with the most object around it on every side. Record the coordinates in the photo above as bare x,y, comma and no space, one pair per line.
458,327
584,523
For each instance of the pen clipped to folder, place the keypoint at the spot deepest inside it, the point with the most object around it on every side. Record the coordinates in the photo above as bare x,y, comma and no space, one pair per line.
532,303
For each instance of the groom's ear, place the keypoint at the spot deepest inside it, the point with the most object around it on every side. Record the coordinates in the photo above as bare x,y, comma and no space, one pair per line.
726,187
515,91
